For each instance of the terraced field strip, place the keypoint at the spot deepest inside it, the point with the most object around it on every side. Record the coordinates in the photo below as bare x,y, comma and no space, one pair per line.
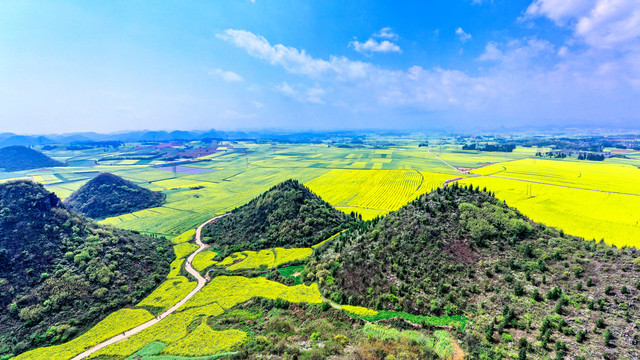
171,310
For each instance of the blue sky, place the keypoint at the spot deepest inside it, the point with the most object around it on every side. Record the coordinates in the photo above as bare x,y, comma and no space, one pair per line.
293,64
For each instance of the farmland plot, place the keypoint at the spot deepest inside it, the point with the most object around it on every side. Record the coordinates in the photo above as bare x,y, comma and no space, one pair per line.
375,190
589,214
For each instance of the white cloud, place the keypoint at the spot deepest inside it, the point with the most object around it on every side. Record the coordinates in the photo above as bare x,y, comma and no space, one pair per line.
525,81
463,36
372,45
386,33
599,23
293,60
518,52
310,95
560,11
286,89
491,52
228,76
563,51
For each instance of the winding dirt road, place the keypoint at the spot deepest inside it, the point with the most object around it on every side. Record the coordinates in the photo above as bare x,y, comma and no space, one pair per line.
137,329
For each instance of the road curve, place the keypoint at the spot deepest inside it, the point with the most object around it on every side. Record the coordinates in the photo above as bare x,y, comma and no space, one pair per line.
137,329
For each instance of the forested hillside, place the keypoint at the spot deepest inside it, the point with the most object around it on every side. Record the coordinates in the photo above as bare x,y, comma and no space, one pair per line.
529,290
16,158
110,195
60,273
288,215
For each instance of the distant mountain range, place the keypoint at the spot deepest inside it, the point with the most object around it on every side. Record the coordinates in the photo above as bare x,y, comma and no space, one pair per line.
11,139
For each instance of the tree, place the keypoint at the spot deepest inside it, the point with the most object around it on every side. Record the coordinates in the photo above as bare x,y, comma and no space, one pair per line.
608,336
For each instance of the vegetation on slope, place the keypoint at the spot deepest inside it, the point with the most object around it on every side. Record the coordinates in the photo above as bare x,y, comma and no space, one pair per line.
281,330
288,215
110,195
60,273
529,290
16,158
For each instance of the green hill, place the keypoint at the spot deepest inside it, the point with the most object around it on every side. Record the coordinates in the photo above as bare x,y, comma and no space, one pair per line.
110,195
529,290
16,158
60,273
288,215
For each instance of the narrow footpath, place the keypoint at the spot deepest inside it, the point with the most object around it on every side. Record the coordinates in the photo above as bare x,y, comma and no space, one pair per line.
201,282
444,162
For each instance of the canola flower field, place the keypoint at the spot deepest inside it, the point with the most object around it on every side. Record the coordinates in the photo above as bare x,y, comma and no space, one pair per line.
268,258
374,192
589,214
204,259
218,296
589,199
112,325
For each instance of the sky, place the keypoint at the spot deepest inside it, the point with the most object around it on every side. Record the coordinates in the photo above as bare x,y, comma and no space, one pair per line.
107,66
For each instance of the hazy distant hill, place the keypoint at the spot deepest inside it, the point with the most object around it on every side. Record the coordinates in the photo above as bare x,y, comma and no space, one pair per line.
22,140
110,195
16,158
523,285
287,215
58,268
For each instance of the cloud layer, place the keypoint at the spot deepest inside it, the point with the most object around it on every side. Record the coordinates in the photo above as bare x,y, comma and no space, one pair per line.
527,80
600,23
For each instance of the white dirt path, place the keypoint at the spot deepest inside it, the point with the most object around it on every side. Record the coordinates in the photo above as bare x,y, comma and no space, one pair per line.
137,329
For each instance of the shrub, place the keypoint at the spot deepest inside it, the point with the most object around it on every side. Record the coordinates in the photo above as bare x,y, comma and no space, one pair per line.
554,293
608,336
608,290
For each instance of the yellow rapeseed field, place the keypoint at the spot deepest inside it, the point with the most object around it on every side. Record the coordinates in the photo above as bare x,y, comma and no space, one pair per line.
254,260
222,293
231,258
112,325
585,213
204,259
205,341
168,293
269,258
374,192
176,266
284,256
593,175
228,291
359,310
184,249
184,237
